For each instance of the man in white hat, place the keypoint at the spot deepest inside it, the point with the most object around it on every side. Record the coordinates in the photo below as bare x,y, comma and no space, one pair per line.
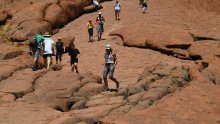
100,25
110,64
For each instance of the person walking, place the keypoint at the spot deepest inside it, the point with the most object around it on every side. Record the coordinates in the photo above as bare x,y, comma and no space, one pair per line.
48,50
117,8
110,64
145,6
60,49
74,55
100,25
90,30
38,41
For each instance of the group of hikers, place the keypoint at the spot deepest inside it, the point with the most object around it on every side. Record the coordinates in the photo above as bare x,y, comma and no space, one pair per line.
45,46
100,22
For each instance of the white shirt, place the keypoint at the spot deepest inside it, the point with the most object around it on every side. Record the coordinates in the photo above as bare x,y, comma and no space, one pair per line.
117,6
48,43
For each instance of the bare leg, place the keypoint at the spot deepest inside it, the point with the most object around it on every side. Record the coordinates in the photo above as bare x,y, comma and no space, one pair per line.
75,65
45,62
72,68
106,83
116,81
48,62
116,17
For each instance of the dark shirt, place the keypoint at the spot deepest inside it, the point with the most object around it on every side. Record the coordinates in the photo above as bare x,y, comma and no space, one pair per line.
74,53
59,46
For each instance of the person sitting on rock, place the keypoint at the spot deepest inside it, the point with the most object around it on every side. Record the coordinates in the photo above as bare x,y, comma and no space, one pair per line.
74,55
38,40
110,64
90,30
59,50
48,49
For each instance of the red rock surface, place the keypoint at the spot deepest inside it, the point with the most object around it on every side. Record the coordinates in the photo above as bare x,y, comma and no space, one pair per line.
172,78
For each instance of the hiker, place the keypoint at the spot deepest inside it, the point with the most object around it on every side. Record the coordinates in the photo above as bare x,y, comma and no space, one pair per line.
145,6
60,49
141,3
90,30
74,55
117,8
110,64
38,40
47,50
96,4
100,25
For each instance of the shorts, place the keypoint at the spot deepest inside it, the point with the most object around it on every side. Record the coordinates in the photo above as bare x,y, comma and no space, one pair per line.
90,31
99,28
108,70
37,53
59,55
144,5
117,11
73,61
46,55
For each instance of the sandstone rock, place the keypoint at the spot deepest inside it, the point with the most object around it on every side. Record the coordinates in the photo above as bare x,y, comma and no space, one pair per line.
58,19
56,67
5,97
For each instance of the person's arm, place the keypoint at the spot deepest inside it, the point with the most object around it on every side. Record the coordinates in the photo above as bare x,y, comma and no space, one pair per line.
78,54
103,19
115,60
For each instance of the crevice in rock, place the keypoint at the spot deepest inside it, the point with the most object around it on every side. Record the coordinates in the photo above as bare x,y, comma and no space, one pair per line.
199,38
69,105
181,46
58,109
195,57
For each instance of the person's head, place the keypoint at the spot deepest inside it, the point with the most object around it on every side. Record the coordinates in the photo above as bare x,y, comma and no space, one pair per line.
72,46
59,38
90,20
108,48
116,1
47,35
100,13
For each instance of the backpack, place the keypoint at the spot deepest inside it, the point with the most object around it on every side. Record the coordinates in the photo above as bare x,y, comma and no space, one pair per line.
32,41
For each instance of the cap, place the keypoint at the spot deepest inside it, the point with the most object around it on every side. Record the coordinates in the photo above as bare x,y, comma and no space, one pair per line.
47,34
90,20
100,13
59,38
108,46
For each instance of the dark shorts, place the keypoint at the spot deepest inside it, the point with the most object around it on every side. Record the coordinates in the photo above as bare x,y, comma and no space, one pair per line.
47,55
59,55
90,31
73,61
108,70
144,5
117,11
